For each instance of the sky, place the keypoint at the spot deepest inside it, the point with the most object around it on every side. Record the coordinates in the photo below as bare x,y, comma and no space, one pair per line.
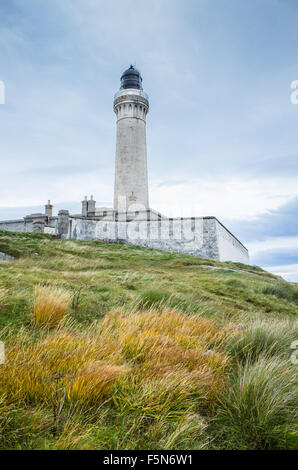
222,130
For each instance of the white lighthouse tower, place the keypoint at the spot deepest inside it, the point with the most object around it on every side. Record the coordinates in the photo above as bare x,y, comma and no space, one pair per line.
131,106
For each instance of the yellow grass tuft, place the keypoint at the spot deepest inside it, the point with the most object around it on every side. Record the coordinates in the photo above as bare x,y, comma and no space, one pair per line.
157,361
29,366
94,381
50,305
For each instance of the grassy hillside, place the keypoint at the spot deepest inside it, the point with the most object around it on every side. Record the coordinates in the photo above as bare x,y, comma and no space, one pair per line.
110,346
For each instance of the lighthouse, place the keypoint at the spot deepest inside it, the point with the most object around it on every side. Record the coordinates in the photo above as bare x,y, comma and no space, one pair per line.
131,220
131,106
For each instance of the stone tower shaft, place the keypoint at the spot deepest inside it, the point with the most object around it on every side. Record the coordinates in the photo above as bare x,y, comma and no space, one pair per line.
131,106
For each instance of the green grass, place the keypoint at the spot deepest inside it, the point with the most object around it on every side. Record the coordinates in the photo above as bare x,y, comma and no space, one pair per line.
282,291
259,409
208,352
262,336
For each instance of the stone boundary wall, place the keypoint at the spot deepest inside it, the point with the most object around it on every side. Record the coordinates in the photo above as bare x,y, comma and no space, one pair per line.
28,224
14,225
177,235
203,237
198,236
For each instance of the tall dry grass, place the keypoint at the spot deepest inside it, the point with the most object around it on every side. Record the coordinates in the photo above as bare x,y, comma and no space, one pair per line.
50,305
151,360
94,381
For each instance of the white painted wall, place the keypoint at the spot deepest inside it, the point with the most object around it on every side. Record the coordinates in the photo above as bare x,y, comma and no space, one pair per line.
230,249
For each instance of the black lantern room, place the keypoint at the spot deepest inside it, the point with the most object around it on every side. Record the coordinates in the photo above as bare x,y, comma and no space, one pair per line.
131,78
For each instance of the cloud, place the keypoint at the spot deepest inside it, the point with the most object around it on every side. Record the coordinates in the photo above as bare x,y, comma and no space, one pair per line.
15,213
273,243
288,272
276,222
242,203
72,187
272,238
284,253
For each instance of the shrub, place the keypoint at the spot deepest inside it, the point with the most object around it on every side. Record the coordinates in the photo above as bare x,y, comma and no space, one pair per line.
50,305
257,410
